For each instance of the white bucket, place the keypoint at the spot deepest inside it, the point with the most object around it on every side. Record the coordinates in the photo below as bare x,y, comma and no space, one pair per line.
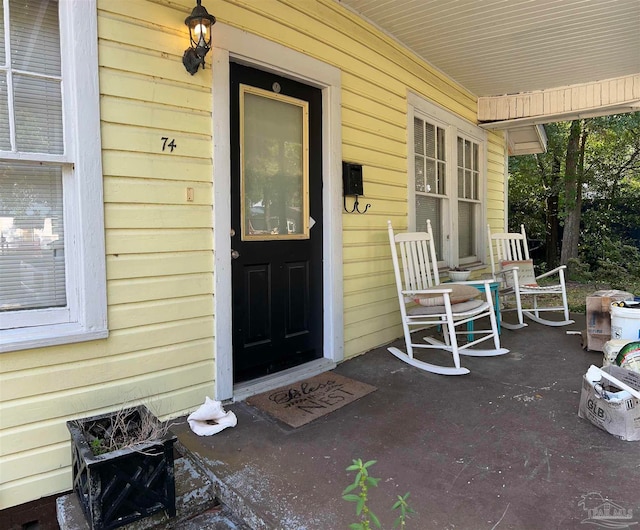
612,349
625,321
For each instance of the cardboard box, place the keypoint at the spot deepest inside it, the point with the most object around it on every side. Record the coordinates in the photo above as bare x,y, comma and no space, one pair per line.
599,316
608,407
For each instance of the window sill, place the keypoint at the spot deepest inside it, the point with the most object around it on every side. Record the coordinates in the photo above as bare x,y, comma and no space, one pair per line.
476,266
27,338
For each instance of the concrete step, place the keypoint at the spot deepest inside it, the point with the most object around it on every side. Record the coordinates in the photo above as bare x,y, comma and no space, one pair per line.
197,507
219,518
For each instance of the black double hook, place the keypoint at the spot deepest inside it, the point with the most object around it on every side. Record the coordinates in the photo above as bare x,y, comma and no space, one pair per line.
356,205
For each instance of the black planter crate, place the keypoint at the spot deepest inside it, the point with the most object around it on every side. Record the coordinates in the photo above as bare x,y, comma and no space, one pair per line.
125,485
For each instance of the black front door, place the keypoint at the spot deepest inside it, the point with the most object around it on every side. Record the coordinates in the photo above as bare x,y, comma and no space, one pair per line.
276,222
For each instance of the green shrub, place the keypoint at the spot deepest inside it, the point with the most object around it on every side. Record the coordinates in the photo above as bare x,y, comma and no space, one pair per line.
578,271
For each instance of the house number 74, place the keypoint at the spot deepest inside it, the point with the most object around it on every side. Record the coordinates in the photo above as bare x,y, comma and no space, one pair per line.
170,145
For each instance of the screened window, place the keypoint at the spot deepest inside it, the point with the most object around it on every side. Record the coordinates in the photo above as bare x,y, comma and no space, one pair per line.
468,198
51,222
448,182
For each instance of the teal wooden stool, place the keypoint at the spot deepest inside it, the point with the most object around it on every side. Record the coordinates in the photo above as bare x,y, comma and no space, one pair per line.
496,304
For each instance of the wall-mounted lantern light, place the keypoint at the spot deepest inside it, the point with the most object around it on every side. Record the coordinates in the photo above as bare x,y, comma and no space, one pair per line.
199,23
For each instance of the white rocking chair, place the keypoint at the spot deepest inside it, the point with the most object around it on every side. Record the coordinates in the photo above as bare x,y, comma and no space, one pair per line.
424,302
513,268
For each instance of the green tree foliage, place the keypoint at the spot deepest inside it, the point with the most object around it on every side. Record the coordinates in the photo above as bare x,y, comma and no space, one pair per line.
536,184
604,163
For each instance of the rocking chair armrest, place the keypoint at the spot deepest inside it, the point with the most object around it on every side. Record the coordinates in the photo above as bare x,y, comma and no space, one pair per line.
509,270
557,270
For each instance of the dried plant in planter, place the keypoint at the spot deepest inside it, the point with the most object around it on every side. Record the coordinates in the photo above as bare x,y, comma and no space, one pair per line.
122,467
125,428
459,274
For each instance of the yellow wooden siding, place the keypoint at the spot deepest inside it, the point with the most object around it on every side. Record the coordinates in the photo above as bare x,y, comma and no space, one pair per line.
172,263
159,246
159,259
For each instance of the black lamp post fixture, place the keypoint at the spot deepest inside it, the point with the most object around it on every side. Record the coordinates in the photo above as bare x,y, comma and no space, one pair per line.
199,23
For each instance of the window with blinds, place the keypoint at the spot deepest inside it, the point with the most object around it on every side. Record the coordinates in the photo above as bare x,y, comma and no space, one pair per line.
448,173
32,243
52,255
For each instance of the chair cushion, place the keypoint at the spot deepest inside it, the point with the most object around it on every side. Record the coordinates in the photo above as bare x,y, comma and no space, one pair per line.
526,274
459,293
470,305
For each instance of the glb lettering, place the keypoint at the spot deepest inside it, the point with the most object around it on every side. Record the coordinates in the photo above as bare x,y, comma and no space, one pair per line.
595,409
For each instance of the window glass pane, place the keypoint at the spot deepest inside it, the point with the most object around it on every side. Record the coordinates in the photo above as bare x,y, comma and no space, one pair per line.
419,174
430,208
441,144
468,184
274,170
418,136
474,186
430,143
442,179
468,174
467,228
2,49
38,114
476,172
35,44
5,142
32,263
430,174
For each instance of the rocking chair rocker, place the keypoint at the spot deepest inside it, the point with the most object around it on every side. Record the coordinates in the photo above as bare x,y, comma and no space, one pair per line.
424,302
512,267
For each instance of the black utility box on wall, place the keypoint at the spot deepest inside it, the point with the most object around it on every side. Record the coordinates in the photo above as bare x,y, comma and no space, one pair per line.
352,179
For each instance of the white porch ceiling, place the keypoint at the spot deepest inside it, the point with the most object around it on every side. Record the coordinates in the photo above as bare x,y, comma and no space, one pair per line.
498,47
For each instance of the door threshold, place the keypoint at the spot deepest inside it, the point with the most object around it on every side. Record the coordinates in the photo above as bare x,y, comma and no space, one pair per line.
246,389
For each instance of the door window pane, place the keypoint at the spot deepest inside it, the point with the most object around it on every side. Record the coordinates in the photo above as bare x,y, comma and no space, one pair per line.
274,166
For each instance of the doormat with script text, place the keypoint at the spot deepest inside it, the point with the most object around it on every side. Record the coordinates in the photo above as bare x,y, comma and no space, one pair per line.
299,403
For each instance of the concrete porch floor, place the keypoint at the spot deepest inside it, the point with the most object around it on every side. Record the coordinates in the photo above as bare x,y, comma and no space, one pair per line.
501,447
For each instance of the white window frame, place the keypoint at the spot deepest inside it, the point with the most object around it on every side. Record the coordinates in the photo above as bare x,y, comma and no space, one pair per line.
454,126
85,316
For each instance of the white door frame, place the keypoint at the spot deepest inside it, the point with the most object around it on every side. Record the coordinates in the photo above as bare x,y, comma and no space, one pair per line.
245,48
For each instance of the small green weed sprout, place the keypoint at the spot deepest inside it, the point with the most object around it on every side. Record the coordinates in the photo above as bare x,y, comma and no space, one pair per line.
358,492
